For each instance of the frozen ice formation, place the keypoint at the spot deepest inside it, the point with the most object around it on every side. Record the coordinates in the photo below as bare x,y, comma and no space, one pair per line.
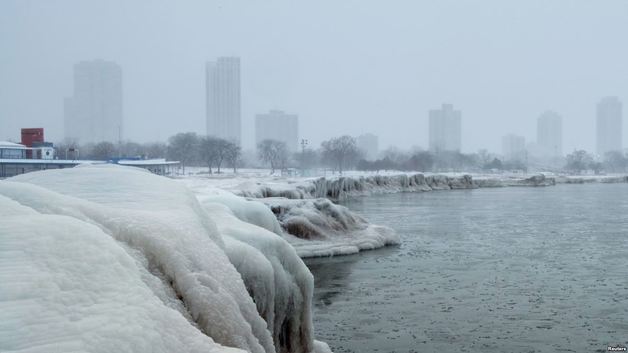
108,258
314,227
342,187
318,227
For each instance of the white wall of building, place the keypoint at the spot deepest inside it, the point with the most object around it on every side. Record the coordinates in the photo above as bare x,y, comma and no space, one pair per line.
94,112
369,144
609,126
277,125
445,129
223,99
549,135
514,147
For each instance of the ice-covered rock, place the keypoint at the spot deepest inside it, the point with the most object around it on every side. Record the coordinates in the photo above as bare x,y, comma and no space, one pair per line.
582,179
176,269
318,227
275,276
67,286
314,227
534,180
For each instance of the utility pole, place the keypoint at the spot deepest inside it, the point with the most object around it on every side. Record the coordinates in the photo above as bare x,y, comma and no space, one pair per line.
304,142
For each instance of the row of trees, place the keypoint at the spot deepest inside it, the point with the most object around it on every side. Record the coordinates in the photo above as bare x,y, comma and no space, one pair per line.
339,154
192,149
107,150
581,160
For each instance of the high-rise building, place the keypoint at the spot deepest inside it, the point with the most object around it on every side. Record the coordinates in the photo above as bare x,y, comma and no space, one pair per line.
223,98
94,112
445,129
514,147
369,144
609,125
549,135
279,126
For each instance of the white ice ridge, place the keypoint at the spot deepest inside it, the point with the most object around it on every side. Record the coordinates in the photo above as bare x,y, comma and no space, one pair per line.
314,227
337,188
107,258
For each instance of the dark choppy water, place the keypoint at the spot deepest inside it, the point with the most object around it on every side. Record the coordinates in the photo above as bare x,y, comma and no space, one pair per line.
489,270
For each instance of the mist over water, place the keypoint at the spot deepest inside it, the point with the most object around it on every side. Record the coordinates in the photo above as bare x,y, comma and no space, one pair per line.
488,270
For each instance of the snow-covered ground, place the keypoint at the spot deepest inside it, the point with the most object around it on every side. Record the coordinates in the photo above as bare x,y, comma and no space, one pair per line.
115,259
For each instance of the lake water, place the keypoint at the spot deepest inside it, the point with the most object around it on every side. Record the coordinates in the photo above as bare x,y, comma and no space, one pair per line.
486,270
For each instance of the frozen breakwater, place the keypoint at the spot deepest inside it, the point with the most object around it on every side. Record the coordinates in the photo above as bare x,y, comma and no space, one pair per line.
108,258
337,188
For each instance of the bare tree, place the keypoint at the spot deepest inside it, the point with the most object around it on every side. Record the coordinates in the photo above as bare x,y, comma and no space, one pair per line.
103,151
274,153
222,151
214,151
234,152
208,148
131,149
184,148
578,161
340,151
155,150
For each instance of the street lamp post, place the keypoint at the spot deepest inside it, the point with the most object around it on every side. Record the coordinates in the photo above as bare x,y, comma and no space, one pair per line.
304,142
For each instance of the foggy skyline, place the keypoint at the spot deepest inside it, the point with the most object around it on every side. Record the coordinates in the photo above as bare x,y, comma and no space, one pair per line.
348,67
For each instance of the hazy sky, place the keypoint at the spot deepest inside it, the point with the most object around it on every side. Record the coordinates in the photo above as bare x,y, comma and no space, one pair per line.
346,67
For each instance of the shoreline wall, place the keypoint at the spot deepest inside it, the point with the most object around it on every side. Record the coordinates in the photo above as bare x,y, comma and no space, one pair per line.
336,189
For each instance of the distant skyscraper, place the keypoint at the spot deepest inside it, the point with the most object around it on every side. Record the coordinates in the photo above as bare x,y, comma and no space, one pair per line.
514,147
549,134
94,112
223,98
609,125
445,129
279,126
368,143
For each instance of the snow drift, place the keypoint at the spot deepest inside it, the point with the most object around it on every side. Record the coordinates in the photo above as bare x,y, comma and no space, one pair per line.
117,259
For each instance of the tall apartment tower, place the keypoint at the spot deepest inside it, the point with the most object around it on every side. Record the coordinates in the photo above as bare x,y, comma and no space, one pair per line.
223,98
514,147
94,112
279,126
549,134
445,129
609,125
368,143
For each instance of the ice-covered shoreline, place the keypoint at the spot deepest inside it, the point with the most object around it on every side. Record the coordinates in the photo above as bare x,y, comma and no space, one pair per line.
315,225
108,258
340,187
320,228
336,188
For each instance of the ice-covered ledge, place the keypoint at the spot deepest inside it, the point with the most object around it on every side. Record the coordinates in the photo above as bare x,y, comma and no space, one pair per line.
337,188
